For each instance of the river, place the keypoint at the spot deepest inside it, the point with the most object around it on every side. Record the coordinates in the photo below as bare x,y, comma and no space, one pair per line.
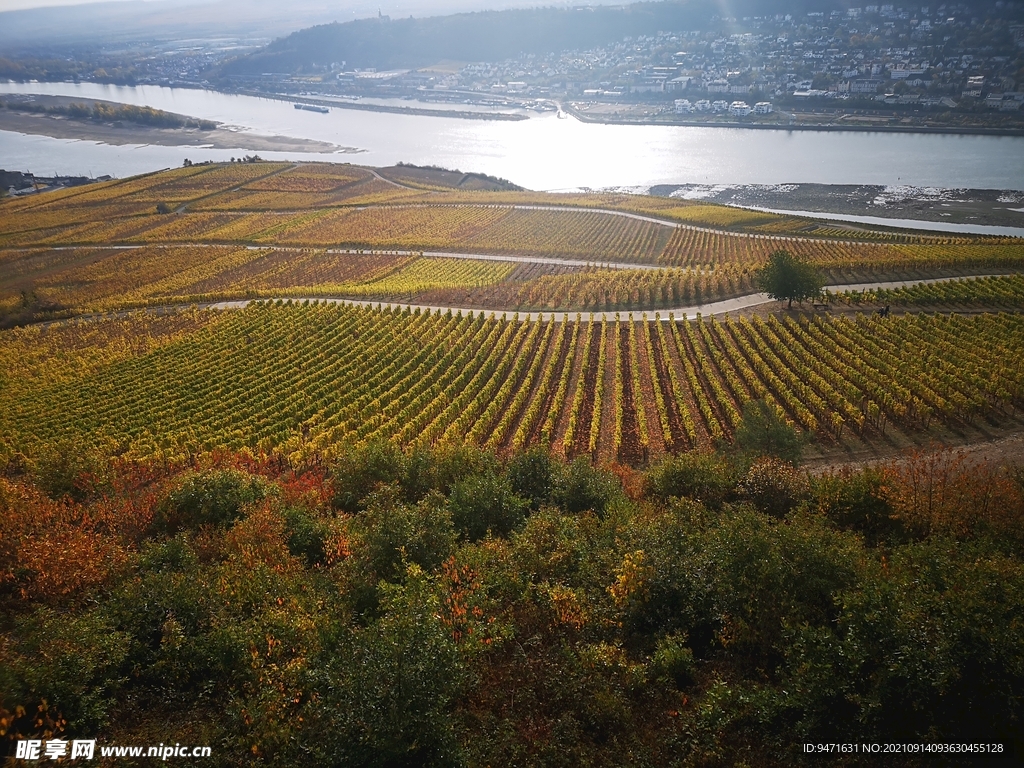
543,153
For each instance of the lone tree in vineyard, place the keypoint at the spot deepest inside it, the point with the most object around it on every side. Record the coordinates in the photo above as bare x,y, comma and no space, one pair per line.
787,277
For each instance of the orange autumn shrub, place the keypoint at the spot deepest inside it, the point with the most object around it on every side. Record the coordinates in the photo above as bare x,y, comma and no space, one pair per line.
945,492
259,540
52,550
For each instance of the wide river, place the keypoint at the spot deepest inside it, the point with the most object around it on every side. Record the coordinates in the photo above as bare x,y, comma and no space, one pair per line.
544,152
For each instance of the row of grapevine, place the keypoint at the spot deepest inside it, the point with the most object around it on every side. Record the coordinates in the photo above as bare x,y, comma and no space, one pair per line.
676,392
585,390
632,405
62,220
311,178
303,273
994,291
426,274
100,195
661,408
702,249
67,351
394,227
311,376
478,228
244,201
588,235
519,388
598,408
105,279
537,400
245,228
608,290
566,362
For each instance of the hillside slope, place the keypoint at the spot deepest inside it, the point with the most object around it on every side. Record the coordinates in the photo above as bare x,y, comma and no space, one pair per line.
487,36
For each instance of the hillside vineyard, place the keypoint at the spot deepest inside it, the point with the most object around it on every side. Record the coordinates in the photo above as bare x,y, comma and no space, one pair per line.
326,465
499,317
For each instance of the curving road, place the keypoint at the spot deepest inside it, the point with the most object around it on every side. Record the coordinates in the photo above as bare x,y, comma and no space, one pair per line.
671,223
520,259
710,309
581,263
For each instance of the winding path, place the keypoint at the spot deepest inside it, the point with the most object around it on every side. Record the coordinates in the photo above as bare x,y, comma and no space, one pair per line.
671,223
517,259
711,309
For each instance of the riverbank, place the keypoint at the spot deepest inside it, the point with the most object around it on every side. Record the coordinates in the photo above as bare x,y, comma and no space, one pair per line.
983,207
121,133
670,119
367,107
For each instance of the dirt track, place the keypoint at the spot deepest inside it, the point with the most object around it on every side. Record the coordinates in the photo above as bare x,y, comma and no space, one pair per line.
1007,450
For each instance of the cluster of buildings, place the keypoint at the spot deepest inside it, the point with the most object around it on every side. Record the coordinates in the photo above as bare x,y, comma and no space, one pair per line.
947,55
17,183
736,108
965,56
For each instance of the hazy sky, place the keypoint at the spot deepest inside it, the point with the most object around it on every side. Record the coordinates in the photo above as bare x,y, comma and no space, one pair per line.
17,5
405,7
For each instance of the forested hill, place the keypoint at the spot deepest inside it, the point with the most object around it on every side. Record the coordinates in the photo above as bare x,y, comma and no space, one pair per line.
490,35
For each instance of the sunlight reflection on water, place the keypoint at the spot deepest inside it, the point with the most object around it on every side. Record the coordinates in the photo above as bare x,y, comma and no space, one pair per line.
543,152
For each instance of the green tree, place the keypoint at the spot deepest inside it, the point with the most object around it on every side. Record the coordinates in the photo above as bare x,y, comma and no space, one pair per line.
774,486
390,535
763,432
362,469
785,277
581,487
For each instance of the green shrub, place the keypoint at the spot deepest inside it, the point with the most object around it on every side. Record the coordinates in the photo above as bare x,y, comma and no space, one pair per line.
673,661
703,476
580,487
762,432
927,647
306,535
532,475
73,663
483,503
361,470
440,469
391,534
215,497
385,695
763,575
857,501
672,595
774,486
66,469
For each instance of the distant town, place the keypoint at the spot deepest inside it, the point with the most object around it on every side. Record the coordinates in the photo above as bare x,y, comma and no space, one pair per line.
873,64
869,66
